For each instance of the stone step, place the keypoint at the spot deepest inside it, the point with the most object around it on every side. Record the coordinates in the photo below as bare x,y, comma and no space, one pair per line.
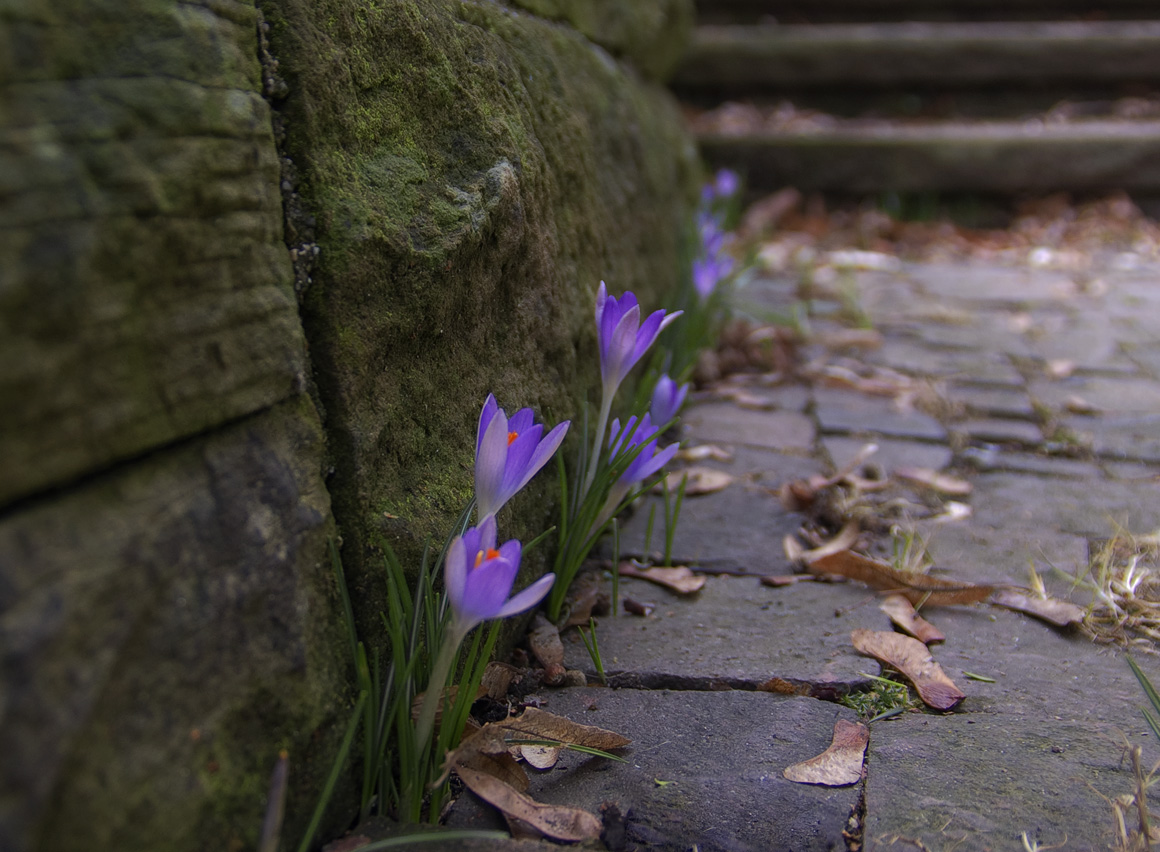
831,11
735,60
982,157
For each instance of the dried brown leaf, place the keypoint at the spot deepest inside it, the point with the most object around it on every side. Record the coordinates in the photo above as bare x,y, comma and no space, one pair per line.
497,678
919,589
1054,611
544,640
486,750
702,480
779,580
901,612
704,451
637,608
913,659
536,724
844,540
781,686
680,579
555,821
840,764
935,481
583,595
541,756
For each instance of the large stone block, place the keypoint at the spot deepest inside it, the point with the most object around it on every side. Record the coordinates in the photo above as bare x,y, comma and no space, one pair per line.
164,631
651,35
145,291
474,172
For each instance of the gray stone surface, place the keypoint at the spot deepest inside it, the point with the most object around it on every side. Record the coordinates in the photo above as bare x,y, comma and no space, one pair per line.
164,631
147,293
986,550
850,412
738,530
891,455
981,400
726,423
999,430
722,754
1074,506
977,781
737,632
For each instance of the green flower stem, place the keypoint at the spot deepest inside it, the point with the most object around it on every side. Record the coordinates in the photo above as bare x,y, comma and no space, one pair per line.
433,695
601,425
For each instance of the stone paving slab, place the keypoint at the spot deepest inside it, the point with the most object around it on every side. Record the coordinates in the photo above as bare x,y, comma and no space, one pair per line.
977,781
737,530
1135,436
736,632
1041,672
726,423
997,430
891,455
1001,553
722,756
849,412
1079,507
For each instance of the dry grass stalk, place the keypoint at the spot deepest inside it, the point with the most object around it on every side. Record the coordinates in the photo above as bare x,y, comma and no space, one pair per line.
1124,579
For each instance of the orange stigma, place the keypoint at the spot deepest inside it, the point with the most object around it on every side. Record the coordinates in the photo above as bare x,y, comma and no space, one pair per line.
512,437
491,554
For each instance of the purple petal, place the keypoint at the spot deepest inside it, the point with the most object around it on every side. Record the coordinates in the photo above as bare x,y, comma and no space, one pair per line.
489,408
620,348
521,421
529,597
455,573
520,453
544,450
490,462
486,539
487,588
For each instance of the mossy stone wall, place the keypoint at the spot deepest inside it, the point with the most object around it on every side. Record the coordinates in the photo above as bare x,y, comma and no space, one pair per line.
251,300
475,171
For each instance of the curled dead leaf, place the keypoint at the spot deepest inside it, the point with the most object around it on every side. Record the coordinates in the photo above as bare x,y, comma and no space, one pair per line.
844,540
840,764
1054,611
701,480
919,589
912,658
701,452
544,641
637,608
935,481
583,596
535,724
541,756
901,612
680,579
497,678
555,821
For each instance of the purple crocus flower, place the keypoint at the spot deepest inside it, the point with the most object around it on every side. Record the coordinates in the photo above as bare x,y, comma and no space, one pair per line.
648,461
479,578
667,399
726,183
708,273
623,338
508,453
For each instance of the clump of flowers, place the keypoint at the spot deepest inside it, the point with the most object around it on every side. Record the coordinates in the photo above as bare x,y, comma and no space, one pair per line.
433,631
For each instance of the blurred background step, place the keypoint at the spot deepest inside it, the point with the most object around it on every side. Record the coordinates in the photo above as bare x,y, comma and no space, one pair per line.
992,157
744,60
830,11
1027,96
